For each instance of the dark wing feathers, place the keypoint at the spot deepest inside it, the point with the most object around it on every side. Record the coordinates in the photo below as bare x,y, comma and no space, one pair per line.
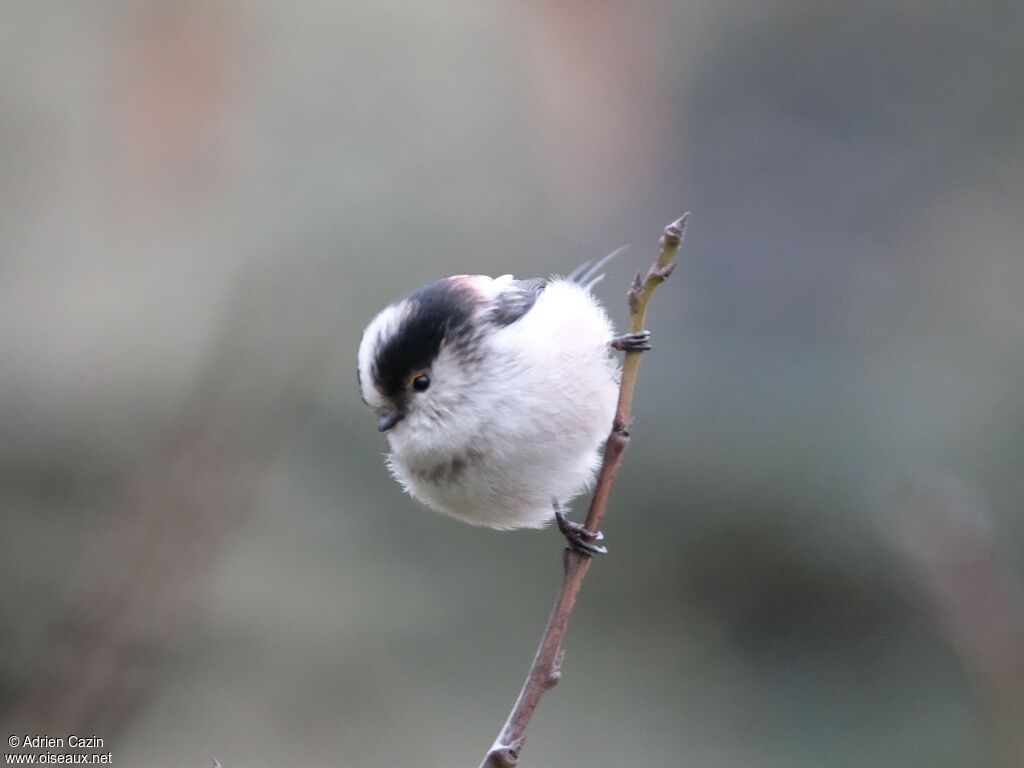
516,301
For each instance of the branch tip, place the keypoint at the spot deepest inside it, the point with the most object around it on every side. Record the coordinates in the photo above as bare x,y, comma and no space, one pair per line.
673,234
671,239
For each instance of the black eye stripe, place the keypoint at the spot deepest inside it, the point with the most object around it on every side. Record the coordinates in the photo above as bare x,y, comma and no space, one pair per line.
437,312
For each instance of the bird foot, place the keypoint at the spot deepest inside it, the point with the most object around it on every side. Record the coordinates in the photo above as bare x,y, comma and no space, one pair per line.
580,538
633,342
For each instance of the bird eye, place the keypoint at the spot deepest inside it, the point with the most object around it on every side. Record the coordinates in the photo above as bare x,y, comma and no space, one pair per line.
421,382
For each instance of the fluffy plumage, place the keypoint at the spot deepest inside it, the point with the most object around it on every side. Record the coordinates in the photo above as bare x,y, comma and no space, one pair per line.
520,394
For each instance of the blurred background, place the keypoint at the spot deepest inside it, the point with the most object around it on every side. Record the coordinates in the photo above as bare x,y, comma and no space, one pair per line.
817,537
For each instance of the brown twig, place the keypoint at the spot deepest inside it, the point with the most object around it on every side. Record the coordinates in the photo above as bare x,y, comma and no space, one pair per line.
545,671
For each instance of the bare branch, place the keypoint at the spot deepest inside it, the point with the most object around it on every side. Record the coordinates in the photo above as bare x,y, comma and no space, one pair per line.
545,671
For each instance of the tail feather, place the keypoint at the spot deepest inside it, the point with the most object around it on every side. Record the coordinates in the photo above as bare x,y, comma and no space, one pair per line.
588,274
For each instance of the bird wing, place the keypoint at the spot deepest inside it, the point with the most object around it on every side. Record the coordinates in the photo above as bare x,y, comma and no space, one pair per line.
518,296
516,299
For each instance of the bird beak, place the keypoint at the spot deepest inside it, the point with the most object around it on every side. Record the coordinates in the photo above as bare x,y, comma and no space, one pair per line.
388,419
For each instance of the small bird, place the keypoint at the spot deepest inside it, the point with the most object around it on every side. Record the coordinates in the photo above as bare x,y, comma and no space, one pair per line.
496,395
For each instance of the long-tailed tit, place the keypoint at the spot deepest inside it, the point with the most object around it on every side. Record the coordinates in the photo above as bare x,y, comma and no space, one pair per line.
496,395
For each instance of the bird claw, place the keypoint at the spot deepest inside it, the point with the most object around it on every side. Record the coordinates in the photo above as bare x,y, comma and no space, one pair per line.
633,342
580,538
